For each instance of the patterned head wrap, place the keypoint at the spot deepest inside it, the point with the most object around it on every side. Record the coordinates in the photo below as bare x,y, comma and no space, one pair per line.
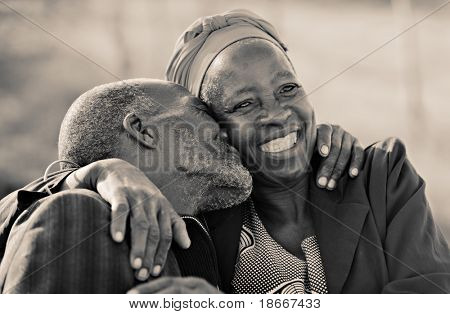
200,44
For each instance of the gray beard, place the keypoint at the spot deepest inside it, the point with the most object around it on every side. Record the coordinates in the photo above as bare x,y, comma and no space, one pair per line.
229,184
215,176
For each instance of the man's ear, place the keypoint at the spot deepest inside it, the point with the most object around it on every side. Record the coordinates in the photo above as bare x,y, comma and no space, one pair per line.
145,136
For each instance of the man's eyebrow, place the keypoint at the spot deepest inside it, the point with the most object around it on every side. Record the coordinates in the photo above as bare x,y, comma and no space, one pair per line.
281,75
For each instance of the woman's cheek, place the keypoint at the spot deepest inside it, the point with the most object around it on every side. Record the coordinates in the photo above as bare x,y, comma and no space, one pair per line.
305,110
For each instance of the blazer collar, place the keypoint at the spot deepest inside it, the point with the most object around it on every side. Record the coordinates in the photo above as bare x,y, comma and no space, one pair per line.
338,225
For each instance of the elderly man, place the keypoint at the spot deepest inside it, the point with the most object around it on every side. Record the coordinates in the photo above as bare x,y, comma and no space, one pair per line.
60,243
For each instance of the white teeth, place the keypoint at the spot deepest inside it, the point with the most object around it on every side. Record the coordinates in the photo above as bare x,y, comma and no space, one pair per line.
280,144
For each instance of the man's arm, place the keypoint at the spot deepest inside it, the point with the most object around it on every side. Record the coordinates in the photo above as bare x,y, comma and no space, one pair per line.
153,221
12,205
63,246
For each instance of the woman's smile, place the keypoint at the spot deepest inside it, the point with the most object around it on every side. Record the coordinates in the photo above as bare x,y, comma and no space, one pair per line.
280,144
290,146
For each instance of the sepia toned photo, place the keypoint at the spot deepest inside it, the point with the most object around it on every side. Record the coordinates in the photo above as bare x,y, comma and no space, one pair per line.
224,147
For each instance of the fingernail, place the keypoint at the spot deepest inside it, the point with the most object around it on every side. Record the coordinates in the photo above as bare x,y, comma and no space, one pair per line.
118,236
331,184
137,263
323,181
133,291
143,274
324,150
354,172
156,270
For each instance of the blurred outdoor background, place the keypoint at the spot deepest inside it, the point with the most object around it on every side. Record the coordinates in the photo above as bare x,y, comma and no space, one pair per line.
402,89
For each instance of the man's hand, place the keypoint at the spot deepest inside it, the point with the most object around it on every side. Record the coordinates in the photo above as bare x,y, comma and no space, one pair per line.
179,285
339,148
153,220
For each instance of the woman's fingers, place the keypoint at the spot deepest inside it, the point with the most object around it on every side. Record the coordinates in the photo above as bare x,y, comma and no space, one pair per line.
324,132
119,215
327,166
344,150
357,159
342,161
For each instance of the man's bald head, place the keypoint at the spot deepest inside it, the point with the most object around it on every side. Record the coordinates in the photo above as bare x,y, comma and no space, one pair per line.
92,127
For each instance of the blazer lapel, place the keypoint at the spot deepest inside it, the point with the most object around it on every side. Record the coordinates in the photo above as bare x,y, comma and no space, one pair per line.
337,226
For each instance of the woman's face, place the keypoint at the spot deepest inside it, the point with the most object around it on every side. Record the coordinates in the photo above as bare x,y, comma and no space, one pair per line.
254,93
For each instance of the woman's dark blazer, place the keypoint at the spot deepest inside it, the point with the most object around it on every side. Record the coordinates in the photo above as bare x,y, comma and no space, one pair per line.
376,233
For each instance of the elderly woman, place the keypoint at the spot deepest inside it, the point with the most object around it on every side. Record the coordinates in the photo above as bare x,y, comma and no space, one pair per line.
371,234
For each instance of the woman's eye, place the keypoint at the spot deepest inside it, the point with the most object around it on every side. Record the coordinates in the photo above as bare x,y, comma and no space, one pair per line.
243,104
289,89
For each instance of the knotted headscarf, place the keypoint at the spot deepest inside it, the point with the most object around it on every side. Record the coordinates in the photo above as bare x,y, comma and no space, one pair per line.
200,44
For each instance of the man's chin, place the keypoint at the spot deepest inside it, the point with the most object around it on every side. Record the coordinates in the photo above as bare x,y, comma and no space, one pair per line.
226,189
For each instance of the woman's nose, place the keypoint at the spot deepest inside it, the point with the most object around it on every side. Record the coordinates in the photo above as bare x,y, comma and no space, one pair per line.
275,116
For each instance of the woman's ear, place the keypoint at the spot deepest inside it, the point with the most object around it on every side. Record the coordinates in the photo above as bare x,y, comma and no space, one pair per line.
145,136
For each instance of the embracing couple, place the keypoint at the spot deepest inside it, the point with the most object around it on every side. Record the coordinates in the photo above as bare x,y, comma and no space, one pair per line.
226,160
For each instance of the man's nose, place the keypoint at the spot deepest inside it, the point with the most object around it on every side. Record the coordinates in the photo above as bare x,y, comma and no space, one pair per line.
223,135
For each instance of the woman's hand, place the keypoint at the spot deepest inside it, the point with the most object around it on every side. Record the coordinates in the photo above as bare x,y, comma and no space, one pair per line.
153,220
179,285
339,148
